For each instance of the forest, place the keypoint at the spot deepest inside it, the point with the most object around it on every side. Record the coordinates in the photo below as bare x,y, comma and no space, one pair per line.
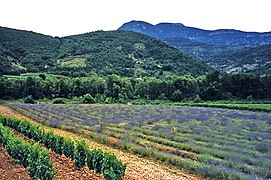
114,88
99,53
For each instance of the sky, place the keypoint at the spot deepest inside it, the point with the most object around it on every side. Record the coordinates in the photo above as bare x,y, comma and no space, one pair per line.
70,17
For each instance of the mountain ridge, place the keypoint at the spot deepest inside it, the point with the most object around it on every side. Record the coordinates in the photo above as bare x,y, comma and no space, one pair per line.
210,46
169,30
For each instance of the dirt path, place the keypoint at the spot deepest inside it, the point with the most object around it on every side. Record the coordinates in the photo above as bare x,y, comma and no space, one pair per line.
138,168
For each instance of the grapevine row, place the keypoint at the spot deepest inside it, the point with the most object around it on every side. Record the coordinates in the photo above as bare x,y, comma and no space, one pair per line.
249,107
34,158
105,163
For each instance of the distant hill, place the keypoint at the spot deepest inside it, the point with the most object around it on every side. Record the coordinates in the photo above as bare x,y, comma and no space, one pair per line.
256,59
212,47
114,52
26,51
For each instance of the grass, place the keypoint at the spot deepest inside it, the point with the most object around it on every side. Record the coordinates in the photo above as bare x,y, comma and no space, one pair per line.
73,62
36,75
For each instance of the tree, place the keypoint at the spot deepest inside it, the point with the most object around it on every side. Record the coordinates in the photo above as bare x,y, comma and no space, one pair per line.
93,85
117,86
187,86
177,96
32,87
211,87
42,76
64,87
78,89
246,84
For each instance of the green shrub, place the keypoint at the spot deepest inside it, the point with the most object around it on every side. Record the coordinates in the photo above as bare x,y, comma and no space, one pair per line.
80,155
68,148
42,76
105,163
87,99
112,168
95,159
59,101
29,99
197,99
34,158
108,100
39,161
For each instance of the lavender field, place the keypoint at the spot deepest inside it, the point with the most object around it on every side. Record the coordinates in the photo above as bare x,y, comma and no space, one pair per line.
210,142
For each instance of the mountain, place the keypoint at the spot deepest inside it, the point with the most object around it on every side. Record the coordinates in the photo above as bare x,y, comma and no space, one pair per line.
113,52
214,37
212,47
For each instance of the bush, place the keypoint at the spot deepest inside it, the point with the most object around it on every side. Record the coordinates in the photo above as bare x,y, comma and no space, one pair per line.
100,98
105,163
94,160
109,100
177,95
29,99
112,168
197,99
87,99
80,155
69,147
34,158
42,76
59,101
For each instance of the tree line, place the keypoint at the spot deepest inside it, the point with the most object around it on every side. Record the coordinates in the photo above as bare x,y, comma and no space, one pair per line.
214,86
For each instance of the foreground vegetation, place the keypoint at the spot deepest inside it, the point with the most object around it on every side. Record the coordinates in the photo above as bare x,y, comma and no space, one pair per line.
105,163
34,158
210,142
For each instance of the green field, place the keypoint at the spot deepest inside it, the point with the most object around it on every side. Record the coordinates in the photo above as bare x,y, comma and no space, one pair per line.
24,76
250,107
72,62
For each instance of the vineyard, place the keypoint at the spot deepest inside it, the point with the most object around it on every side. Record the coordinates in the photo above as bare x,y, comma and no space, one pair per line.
210,142
250,107
37,160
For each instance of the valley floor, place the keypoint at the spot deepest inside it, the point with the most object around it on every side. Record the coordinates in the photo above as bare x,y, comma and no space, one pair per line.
137,168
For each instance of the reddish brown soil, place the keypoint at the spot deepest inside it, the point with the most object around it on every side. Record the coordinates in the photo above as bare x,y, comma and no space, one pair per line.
138,168
9,169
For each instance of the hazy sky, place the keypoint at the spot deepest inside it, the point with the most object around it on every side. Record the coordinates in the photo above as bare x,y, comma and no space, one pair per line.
68,17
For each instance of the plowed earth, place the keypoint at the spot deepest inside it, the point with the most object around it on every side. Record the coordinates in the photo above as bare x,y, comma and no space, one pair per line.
9,169
137,168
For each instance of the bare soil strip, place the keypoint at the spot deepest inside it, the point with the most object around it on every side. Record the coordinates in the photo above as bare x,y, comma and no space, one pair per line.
138,168
9,169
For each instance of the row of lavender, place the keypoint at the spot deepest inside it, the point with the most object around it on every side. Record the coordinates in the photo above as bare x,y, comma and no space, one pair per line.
235,141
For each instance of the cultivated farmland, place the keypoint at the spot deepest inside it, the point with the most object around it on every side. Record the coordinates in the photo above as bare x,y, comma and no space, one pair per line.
210,142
